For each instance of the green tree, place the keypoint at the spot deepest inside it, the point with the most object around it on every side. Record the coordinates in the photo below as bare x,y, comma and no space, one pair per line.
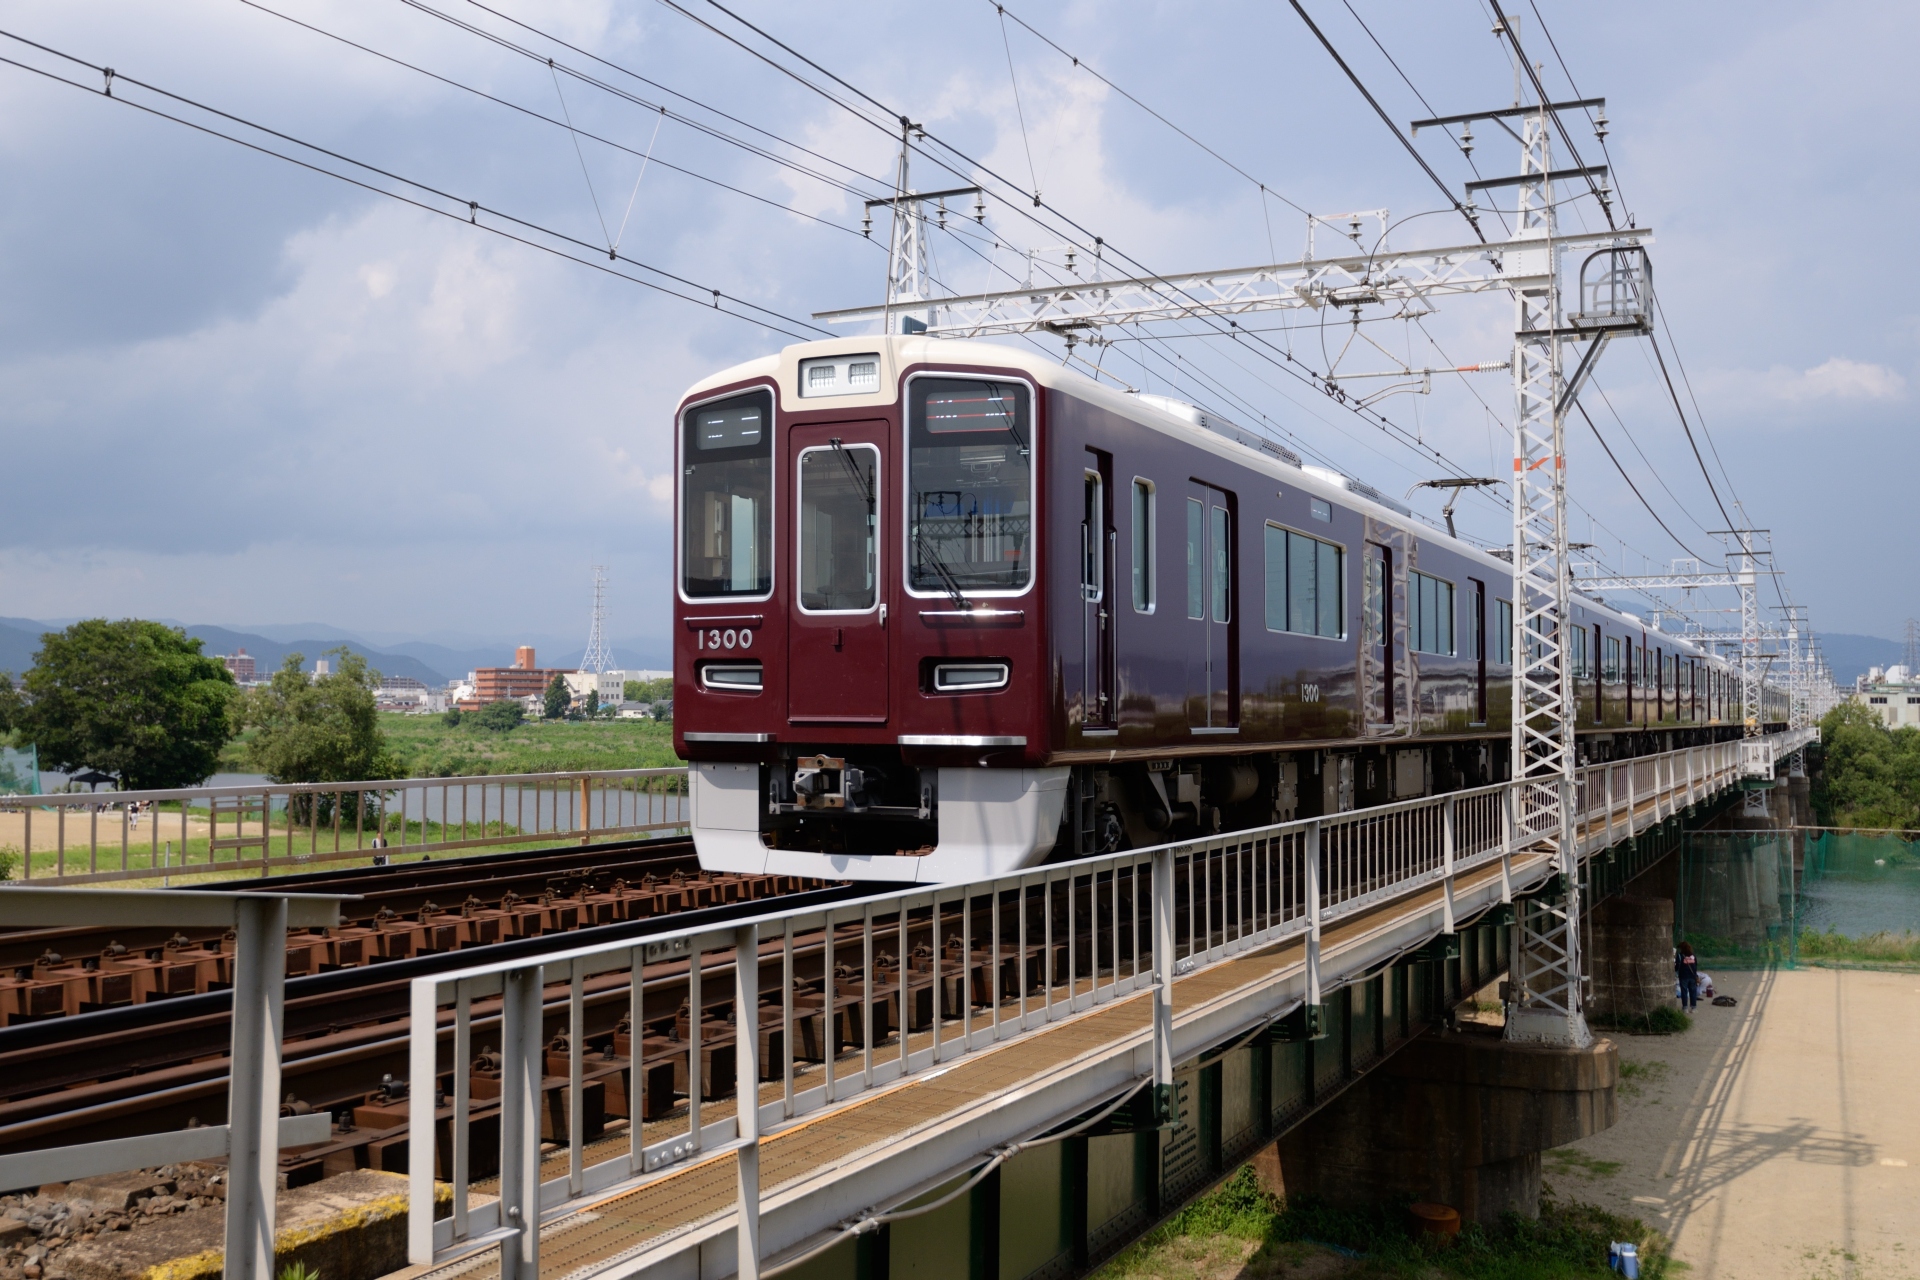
452,718
10,705
500,717
557,697
593,703
1872,773
131,698
649,690
320,728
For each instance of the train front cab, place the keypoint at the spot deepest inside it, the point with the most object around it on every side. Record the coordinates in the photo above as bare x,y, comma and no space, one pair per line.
859,677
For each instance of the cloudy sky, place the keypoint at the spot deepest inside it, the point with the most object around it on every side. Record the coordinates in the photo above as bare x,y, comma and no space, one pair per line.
235,390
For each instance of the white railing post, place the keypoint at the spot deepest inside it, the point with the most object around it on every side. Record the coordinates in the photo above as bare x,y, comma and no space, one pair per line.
1446,857
1506,844
1163,967
746,1085
1313,913
253,1108
521,1072
1633,800
422,1034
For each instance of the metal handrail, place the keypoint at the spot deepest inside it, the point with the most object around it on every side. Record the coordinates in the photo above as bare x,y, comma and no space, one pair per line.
324,822
861,994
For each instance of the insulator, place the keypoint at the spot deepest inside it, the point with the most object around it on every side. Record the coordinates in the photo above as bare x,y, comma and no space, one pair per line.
1600,125
1466,139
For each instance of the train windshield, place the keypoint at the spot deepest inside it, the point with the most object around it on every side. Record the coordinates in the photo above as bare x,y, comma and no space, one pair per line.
726,502
970,477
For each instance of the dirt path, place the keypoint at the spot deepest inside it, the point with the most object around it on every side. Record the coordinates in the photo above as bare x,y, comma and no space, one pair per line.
1780,1138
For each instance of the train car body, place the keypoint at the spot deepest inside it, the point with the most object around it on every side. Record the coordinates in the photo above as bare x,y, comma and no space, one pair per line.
943,609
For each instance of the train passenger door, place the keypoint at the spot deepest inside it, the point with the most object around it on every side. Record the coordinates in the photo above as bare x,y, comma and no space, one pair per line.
1213,704
836,631
1096,594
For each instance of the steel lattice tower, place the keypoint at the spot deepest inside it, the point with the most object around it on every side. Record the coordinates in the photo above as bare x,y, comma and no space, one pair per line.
598,658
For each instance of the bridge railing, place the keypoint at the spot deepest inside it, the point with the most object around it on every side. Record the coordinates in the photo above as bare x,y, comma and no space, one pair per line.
94,837
717,1036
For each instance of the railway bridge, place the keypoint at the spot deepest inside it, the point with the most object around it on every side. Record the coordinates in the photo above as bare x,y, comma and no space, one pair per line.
1005,1078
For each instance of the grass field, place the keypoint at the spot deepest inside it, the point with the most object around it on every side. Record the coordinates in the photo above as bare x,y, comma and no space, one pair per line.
1238,1232
429,747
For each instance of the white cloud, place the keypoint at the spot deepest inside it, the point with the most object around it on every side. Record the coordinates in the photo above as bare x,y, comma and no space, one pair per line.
1841,379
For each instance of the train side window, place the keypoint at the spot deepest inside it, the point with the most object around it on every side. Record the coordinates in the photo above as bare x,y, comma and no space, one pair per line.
1610,670
1502,632
1305,577
1145,576
1196,558
1431,626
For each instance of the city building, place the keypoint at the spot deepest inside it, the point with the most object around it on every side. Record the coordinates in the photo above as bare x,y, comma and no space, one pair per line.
1892,693
525,680
241,665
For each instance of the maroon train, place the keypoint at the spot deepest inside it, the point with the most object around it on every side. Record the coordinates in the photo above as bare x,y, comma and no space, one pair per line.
944,609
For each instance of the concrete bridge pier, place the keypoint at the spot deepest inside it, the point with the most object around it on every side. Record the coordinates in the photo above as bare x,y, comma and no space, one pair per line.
1459,1117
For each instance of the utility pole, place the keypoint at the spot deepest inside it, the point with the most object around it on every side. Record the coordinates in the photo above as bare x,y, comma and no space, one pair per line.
1613,299
598,657
908,280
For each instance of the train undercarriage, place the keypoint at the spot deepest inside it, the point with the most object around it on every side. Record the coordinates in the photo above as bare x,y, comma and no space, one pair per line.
867,807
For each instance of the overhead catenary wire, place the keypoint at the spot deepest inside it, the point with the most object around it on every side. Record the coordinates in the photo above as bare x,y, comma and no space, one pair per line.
1387,120
466,211
1081,64
890,122
1019,111
645,157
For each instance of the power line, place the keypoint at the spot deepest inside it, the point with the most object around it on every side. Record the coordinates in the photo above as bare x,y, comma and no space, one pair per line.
1629,479
1312,379
546,119
1688,428
1387,120
651,84
1077,62
468,210
1546,105
1568,73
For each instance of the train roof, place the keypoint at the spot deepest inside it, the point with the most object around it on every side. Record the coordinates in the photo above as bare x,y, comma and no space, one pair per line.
1198,427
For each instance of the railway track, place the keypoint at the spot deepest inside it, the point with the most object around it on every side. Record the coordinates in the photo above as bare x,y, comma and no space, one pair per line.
155,1059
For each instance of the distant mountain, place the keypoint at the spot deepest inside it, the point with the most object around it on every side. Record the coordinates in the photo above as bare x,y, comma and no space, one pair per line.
20,638
433,664
268,654
1850,656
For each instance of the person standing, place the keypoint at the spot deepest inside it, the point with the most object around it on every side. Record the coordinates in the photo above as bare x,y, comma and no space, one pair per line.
1687,969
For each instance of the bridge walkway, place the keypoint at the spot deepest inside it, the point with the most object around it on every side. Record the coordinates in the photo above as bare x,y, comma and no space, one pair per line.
615,1235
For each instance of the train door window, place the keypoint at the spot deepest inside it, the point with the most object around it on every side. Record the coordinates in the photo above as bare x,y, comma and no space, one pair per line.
1220,580
839,528
1578,657
726,498
970,487
1477,642
1097,538
1431,604
1093,542
1196,558
1145,576
1376,601
1610,665
1502,632
1305,576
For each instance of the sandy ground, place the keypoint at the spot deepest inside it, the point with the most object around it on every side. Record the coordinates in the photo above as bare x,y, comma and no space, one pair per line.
1780,1138
108,824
